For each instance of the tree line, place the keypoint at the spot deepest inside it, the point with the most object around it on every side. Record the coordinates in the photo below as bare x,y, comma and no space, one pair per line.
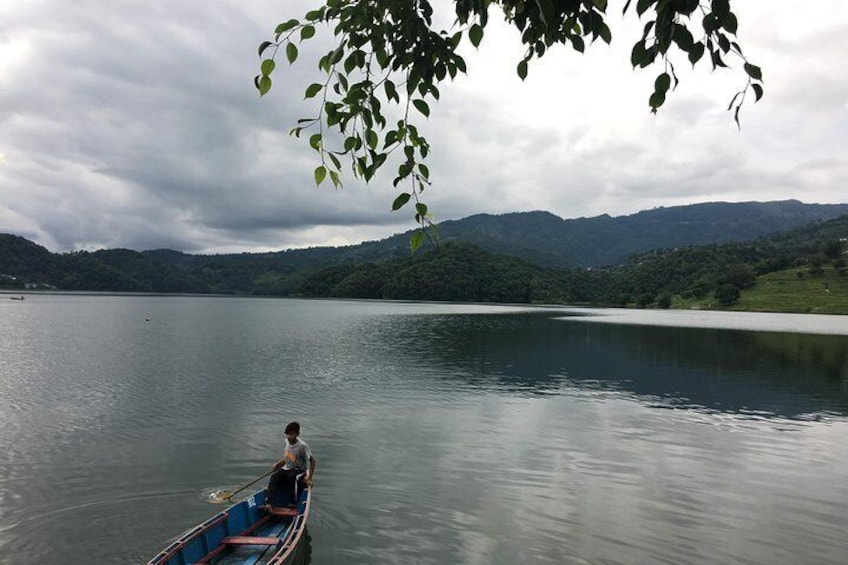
454,272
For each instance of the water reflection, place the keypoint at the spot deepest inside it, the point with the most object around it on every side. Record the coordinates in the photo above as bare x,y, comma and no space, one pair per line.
778,374
442,436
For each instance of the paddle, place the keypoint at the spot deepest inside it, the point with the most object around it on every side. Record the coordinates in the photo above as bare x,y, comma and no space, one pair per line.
225,496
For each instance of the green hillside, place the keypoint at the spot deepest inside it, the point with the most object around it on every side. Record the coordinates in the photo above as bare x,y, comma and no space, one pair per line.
539,237
798,270
791,290
795,290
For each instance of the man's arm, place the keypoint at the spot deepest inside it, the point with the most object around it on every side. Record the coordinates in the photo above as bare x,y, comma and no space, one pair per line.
311,471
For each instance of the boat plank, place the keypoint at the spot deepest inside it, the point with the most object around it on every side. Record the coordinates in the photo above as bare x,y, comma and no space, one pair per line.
250,540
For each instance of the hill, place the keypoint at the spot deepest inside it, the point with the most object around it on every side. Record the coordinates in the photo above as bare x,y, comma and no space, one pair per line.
721,275
547,240
539,237
671,272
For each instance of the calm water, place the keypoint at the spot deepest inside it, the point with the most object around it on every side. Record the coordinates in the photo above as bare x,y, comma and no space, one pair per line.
443,433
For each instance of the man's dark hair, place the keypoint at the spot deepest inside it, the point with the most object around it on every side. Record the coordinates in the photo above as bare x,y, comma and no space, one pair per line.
292,428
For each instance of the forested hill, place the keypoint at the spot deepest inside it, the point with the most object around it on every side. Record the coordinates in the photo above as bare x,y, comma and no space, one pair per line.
548,240
543,241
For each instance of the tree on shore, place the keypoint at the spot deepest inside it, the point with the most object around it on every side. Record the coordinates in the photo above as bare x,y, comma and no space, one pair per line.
389,53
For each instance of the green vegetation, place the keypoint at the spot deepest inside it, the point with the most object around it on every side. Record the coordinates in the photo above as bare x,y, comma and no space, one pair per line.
790,290
803,270
794,290
389,58
455,273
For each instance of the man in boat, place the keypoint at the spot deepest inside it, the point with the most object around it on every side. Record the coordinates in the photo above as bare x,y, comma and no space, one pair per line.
297,460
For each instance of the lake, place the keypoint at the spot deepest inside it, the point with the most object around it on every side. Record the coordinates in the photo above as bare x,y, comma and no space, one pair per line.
444,433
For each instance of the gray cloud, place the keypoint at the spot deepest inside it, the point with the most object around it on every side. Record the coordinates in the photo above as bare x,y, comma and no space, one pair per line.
136,124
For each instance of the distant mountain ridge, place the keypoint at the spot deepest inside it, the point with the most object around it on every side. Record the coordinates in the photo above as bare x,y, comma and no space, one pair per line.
546,239
540,238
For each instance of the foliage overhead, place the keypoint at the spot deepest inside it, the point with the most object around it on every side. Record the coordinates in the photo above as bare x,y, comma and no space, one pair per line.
388,60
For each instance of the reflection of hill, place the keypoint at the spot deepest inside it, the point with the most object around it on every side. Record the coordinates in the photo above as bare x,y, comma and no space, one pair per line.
787,375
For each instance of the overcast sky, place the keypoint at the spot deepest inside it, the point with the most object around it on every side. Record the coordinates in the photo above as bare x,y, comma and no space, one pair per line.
130,123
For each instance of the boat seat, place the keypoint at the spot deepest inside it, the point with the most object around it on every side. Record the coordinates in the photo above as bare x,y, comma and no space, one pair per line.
250,540
276,511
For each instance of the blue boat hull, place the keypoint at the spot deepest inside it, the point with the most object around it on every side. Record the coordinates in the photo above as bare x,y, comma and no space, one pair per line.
243,534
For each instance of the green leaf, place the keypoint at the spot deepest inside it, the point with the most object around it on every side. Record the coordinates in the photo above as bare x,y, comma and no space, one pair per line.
638,54
600,4
758,91
391,91
605,33
460,64
522,70
425,172
335,160
711,23
720,8
320,175
382,58
578,43
315,141
371,138
313,89
263,46
657,99
350,63
683,37
663,83
717,60
754,71
421,209
264,85
475,34
733,100
696,53
391,138
291,52
421,106
455,39
268,67
730,23
307,32
546,12
416,241
285,26
400,201
334,176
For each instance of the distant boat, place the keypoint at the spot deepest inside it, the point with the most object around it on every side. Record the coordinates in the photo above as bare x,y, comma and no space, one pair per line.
245,533
17,297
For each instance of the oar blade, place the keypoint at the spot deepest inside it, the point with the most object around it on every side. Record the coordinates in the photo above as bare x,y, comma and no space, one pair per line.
220,496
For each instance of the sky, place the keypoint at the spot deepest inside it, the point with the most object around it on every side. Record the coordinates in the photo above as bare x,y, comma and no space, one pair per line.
136,124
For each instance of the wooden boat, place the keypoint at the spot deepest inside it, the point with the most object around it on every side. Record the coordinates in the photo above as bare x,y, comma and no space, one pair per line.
246,533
